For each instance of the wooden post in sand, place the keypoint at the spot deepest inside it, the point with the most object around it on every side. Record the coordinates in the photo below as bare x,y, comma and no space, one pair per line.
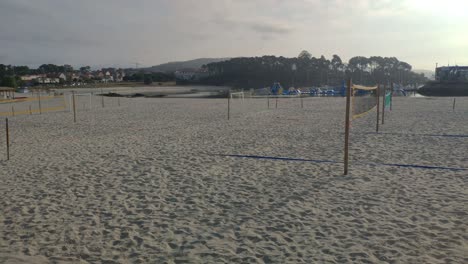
229,104
12,110
102,98
118,101
39,99
347,125
30,111
383,106
74,107
302,102
276,103
7,130
378,109
391,95
268,101
453,107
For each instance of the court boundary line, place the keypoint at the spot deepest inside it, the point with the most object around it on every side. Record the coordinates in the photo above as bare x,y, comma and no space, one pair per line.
429,167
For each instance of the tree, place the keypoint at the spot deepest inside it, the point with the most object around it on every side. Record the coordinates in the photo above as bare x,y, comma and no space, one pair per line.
85,69
305,55
9,81
67,68
21,70
148,80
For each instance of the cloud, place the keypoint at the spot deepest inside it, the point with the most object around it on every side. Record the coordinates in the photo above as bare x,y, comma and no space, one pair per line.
258,26
156,31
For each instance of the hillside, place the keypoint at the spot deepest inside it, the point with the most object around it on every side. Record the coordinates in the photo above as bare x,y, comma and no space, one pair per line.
174,66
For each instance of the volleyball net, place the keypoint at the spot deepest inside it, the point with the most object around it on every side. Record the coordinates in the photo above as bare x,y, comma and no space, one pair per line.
363,100
388,100
33,105
360,100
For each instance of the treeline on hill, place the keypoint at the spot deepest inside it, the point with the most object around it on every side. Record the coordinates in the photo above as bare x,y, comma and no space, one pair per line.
306,71
149,78
10,76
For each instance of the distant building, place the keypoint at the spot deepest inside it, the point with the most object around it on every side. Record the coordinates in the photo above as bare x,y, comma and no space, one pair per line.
119,75
29,78
48,80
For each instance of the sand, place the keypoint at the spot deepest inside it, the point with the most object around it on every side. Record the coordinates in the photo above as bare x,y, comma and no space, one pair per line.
147,182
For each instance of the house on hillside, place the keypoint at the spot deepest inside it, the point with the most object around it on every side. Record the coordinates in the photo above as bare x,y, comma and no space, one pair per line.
119,75
60,76
48,80
32,77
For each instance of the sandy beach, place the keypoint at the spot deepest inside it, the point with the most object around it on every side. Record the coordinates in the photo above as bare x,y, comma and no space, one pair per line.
158,181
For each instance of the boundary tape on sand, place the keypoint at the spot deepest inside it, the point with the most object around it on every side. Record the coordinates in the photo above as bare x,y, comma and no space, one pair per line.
422,135
339,162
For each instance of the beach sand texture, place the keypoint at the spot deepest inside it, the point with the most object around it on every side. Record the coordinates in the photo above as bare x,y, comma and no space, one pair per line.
147,182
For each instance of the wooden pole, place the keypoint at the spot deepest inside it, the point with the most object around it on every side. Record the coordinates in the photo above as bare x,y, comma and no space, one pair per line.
276,103
302,102
30,111
74,107
102,98
453,108
383,106
12,110
39,99
118,101
268,101
391,96
347,125
7,138
378,109
229,105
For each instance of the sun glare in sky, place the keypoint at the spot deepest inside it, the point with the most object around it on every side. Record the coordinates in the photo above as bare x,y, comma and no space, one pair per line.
441,8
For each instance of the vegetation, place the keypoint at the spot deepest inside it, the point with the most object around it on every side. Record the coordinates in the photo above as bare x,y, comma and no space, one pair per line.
302,71
190,64
306,70
148,78
9,81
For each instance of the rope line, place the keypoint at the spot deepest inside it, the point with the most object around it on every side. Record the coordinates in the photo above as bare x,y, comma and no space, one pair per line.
429,167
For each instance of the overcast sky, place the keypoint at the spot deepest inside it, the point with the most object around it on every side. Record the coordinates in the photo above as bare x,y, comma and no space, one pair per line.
122,32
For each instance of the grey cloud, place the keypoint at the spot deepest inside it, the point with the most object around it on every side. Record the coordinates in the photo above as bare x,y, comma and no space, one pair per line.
257,26
50,39
155,31
270,28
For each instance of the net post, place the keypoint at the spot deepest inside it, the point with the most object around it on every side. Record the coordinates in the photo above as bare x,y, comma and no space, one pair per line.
268,101
229,105
302,102
12,110
30,111
74,107
276,102
391,95
39,99
453,107
378,109
383,104
102,98
347,125
7,130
